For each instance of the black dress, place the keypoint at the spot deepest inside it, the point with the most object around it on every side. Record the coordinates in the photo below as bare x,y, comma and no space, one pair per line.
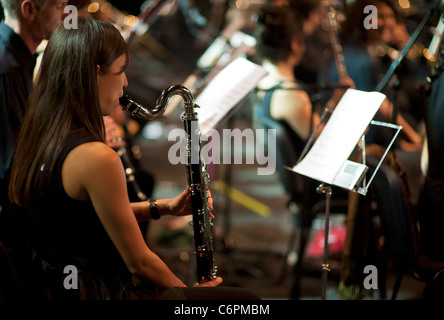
66,233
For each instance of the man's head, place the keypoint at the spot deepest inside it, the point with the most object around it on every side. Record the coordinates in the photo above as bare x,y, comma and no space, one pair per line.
12,8
34,20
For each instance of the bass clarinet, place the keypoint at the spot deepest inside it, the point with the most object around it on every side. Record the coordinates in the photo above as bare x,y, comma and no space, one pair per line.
197,175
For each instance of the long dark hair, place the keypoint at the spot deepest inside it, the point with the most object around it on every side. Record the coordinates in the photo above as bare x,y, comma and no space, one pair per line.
64,98
277,27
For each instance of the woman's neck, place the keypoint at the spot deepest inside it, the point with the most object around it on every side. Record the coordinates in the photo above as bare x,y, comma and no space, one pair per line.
281,71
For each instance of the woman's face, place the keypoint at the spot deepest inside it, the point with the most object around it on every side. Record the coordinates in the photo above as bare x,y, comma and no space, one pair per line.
298,47
314,20
386,24
111,84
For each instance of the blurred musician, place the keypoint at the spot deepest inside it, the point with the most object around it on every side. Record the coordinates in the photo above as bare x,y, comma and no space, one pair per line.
280,48
366,68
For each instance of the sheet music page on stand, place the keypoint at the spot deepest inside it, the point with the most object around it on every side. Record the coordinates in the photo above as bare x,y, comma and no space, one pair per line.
340,135
227,89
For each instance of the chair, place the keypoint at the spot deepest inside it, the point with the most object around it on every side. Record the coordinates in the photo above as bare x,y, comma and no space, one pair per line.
304,203
296,186
399,226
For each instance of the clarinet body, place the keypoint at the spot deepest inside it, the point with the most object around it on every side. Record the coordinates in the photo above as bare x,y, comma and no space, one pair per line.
332,28
130,173
198,180
197,175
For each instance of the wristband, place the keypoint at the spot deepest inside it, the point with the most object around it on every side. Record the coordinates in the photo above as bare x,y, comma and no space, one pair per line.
153,209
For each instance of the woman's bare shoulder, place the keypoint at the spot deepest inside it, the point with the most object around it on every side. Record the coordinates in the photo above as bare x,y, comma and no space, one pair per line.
290,98
88,164
92,158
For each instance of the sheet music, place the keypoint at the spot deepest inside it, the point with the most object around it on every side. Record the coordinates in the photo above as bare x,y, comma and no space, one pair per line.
340,135
227,89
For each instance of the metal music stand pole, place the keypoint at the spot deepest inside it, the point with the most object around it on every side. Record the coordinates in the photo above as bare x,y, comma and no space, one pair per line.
326,189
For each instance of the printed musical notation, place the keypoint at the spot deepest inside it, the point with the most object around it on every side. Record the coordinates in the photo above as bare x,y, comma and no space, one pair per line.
340,135
226,90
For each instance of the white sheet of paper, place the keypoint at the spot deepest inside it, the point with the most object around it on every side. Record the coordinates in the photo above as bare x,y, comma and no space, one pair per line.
340,135
227,89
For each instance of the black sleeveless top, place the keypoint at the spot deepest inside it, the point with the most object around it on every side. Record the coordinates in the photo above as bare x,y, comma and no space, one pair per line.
262,111
66,232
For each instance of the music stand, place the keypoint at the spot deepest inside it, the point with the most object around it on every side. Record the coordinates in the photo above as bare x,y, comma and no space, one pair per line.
351,175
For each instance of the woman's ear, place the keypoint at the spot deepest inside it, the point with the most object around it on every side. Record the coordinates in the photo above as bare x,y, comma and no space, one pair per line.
295,44
298,49
28,9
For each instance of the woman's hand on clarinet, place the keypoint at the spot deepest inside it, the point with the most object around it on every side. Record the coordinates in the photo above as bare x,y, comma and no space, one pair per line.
210,283
181,205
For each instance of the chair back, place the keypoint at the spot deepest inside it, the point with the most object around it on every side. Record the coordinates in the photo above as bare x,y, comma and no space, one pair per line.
286,155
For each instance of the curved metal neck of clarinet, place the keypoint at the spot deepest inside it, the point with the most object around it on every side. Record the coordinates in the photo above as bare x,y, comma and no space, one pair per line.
185,94
136,109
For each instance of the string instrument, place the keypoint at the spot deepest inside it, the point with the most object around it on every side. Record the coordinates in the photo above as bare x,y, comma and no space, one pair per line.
197,175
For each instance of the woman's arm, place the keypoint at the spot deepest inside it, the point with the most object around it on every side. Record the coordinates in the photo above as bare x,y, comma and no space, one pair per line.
179,206
94,170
